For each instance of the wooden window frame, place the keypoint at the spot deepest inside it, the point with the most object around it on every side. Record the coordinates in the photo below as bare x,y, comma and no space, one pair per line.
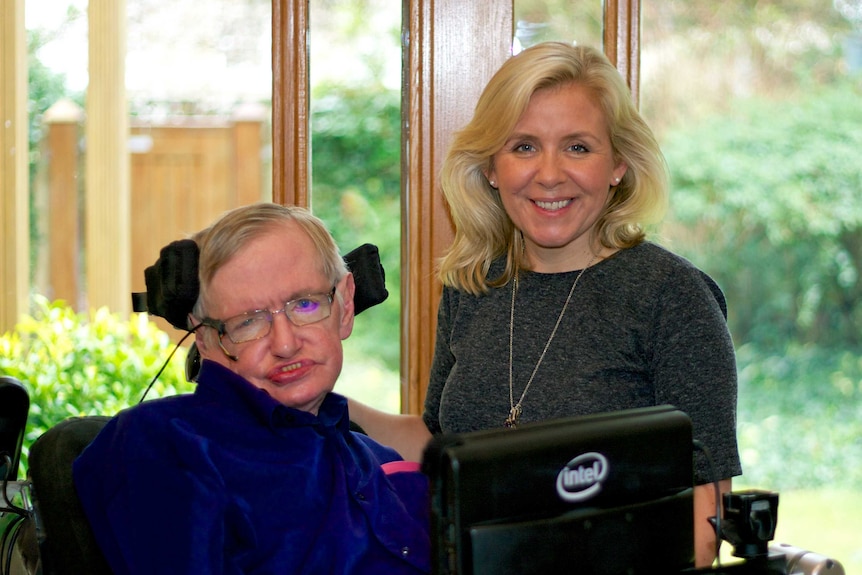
446,65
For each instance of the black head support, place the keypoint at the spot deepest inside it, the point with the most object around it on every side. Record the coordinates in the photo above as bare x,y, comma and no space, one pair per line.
173,285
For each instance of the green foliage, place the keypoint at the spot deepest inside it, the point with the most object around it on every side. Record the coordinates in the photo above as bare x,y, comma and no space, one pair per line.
77,364
44,88
558,20
800,418
356,137
766,198
770,195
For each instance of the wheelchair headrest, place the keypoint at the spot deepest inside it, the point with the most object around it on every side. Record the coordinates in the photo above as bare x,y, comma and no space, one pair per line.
173,285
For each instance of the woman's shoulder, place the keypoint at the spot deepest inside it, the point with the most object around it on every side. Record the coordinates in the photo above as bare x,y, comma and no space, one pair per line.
654,255
651,260
496,268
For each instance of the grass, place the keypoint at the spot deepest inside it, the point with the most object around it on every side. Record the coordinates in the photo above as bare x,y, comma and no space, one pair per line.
828,522
824,521
800,424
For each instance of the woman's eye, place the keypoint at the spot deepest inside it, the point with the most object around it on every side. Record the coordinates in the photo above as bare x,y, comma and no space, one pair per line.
578,148
524,148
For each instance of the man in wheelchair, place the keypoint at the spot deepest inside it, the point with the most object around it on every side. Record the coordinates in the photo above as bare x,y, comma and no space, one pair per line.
257,470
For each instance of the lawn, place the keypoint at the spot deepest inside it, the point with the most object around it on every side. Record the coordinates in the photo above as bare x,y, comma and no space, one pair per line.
825,521
800,434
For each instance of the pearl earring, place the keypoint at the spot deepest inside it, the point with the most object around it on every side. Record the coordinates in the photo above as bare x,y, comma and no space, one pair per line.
617,180
493,183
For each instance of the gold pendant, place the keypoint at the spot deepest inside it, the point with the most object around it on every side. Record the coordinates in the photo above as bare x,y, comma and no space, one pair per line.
514,415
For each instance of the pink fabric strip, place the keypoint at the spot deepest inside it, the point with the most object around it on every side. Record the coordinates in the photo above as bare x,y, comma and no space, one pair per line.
401,467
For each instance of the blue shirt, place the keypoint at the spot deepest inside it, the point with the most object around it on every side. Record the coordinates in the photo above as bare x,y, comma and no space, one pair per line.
227,480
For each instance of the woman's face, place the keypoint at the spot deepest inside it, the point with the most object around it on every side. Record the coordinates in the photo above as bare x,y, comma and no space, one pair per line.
554,175
296,365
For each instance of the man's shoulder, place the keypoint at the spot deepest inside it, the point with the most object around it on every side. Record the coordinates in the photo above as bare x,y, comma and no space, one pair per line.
146,422
159,409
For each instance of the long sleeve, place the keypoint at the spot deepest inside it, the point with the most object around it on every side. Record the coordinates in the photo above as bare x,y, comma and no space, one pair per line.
153,514
229,481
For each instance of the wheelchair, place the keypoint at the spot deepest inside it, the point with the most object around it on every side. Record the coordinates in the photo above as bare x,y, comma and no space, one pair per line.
43,525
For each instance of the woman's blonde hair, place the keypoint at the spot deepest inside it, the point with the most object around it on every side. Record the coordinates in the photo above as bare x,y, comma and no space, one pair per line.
219,242
483,230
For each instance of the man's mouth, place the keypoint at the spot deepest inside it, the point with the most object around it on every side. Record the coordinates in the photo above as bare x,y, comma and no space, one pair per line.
289,367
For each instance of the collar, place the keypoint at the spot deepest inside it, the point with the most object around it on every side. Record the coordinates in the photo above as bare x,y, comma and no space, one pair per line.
217,383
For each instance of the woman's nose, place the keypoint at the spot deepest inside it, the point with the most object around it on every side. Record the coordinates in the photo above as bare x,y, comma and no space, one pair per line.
549,173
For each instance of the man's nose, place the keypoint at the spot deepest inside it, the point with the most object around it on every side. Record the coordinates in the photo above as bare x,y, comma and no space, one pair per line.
284,340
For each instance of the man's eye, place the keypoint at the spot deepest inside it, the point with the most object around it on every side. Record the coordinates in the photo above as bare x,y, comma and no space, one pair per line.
246,321
306,305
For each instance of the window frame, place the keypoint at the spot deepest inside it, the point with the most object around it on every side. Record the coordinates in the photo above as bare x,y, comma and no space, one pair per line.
446,64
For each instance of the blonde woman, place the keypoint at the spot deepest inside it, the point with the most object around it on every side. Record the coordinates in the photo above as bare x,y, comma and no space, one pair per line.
554,303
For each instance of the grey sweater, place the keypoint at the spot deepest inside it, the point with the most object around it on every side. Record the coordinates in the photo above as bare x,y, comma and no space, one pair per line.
644,327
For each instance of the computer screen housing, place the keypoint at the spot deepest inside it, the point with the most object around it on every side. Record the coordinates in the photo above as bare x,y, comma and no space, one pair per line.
600,494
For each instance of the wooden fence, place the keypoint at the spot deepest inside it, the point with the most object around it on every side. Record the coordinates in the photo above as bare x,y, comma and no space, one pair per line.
184,172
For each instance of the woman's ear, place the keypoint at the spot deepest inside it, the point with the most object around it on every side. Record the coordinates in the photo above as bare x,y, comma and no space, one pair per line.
618,173
490,176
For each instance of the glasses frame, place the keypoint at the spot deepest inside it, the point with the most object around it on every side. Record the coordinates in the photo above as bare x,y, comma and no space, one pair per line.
220,325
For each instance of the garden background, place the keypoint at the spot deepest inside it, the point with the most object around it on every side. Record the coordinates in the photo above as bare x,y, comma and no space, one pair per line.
758,106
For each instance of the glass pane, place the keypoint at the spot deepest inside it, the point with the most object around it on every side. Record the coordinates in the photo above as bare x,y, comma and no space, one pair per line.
562,20
198,86
355,74
759,111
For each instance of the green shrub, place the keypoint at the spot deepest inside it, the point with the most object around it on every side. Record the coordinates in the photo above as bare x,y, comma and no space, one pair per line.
357,192
76,364
800,417
766,200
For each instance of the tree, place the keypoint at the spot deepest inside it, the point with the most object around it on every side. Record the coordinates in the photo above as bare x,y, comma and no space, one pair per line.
356,143
770,195
44,88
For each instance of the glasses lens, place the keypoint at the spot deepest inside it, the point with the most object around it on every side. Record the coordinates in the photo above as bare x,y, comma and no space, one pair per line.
309,309
301,311
248,326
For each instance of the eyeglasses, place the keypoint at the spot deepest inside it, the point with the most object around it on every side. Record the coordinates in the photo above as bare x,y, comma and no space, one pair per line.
256,324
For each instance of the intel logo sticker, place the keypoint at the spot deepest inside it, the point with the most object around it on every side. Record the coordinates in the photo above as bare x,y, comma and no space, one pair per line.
582,477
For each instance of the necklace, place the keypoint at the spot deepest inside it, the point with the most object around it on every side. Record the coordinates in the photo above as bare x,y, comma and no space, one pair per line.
515,408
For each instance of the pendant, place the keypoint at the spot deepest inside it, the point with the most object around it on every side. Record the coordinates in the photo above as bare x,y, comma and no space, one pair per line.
514,415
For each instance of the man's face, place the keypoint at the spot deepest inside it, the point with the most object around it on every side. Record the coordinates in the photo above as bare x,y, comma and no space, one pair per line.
296,365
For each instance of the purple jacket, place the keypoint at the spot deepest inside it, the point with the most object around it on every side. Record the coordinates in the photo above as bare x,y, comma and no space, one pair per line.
228,481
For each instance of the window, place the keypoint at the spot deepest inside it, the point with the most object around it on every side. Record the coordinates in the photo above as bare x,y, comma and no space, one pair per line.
757,109
355,125
545,20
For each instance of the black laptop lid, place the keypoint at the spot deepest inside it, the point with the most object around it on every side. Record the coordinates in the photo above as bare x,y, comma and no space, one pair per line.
501,486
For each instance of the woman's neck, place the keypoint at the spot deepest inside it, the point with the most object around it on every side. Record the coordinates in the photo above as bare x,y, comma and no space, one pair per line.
557,260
